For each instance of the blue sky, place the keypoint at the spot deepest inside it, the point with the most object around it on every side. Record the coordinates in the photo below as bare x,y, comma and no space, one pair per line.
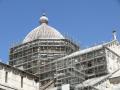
86,21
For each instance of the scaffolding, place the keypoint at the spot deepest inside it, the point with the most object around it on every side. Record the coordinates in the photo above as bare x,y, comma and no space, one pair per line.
75,69
36,57
39,57
60,61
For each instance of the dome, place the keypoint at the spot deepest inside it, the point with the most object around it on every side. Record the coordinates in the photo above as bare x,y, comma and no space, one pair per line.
44,31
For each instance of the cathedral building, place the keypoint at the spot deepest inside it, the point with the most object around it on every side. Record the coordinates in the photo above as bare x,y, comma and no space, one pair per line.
40,47
47,60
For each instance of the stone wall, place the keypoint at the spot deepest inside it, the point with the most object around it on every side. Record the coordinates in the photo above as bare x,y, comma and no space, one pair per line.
11,79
